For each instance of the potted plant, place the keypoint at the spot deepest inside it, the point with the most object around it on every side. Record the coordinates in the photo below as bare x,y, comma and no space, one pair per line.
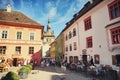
29,66
23,72
11,76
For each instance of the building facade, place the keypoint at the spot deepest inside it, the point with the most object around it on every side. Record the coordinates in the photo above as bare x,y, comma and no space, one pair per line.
20,37
47,38
52,50
71,43
59,48
98,34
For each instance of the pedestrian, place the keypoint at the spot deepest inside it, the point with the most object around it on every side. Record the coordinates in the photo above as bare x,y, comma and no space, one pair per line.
91,61
63,67
119,72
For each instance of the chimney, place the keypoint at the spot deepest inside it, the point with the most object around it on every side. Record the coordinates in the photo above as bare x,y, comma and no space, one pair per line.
9,6
91,1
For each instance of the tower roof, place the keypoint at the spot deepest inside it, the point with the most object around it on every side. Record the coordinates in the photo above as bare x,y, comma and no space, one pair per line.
48,25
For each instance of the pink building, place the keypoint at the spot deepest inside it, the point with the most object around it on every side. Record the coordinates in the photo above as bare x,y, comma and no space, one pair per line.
97,28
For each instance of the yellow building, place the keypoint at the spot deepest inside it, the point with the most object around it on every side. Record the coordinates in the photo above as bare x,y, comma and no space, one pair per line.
20,37
52,50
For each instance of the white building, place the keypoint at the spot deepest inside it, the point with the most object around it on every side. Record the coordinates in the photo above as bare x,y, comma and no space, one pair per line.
71,43
48,37
97,32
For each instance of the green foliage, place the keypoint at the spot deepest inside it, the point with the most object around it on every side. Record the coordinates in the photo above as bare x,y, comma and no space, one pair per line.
24,69
11,76
29,66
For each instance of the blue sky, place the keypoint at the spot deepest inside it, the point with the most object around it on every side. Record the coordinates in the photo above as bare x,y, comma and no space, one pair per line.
59,11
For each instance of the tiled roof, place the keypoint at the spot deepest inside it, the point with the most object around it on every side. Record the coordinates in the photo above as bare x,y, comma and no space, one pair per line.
16,17
87,7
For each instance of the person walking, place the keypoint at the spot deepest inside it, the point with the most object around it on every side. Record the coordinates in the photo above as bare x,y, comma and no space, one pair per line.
91,61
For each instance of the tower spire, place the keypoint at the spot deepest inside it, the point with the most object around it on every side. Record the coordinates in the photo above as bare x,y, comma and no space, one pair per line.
48,25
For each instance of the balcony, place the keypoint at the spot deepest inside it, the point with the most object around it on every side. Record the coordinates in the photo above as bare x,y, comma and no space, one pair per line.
16,56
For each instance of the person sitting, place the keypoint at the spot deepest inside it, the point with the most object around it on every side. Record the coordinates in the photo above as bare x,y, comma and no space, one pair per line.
73,65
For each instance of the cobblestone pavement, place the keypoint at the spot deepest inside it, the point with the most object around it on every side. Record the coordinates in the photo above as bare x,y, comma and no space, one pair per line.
51,73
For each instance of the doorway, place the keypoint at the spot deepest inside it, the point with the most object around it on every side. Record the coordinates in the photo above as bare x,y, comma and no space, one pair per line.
14,61
84,59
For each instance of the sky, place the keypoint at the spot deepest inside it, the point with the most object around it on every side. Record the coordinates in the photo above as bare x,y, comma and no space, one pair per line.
59,11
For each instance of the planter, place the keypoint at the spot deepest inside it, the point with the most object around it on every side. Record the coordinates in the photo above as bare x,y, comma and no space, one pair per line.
23,75
23,72
11,76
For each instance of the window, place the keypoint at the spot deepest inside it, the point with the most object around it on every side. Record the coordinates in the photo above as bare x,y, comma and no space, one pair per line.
114,9
70,47
118,59
66,37
115,35
2,49
70,59
18,50
113,60
75,59
31,50
66,48
75,46
4,34
70,34
74,32
97,59
31,36
19,35
87,23
89,42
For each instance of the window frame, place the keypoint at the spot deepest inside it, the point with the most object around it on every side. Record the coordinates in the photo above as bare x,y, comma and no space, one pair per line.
66,48
88,23
112,5
70,35
66,37
89,40
19,36
97,58
70,47
115,35
32,36
31,50
4,34
75,45
74,32
2,49
18,49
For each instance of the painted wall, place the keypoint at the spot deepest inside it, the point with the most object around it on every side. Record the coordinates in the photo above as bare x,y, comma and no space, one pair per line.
101,37
71,41
11,42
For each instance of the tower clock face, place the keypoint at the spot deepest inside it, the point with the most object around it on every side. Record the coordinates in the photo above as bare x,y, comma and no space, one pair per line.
9,5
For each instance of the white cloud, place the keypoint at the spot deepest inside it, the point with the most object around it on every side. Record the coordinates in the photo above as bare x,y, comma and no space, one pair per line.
49,4
52,12
68,15
4,3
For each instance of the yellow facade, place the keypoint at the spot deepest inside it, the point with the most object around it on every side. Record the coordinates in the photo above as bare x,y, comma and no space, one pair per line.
52,50
11,42
20,37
